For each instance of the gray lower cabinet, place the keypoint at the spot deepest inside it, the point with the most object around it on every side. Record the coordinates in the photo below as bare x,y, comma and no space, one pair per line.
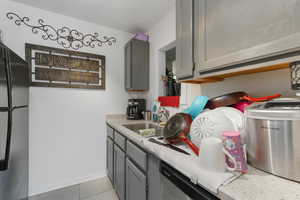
133,172
136,182
110,159
155,191
119,172
137,65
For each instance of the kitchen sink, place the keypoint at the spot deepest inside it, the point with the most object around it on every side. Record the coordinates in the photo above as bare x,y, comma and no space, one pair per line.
140,128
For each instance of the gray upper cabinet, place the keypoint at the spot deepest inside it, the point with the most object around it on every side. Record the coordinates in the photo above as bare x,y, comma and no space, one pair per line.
119,171
136,182
137,65
234,32
184,39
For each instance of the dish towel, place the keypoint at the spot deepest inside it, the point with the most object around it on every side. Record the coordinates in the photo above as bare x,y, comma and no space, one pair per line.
190,167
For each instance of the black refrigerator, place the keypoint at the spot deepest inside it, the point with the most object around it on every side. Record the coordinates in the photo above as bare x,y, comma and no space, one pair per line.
14,95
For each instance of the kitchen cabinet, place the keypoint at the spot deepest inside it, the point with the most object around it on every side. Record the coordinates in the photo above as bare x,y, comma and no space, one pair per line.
119,172
184,39
154,179
109,159
136,182
214,36
137,65
133,172
231,34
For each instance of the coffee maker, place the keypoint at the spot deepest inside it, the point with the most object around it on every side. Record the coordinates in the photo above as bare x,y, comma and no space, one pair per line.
135,109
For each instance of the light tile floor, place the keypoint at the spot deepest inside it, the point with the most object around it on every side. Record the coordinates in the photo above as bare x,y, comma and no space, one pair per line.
100,189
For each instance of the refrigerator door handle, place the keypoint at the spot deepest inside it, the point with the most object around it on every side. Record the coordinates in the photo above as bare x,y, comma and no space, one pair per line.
4,109
4,163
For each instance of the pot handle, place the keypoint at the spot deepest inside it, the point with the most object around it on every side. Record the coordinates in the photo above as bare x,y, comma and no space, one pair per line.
252,99
191,145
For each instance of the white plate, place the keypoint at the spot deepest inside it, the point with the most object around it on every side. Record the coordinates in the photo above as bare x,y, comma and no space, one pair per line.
210,124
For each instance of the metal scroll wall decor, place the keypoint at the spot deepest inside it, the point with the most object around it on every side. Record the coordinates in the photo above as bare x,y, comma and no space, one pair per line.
66,37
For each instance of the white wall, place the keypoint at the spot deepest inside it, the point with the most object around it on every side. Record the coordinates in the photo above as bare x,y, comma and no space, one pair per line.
260,84
163,38
67,126
161,35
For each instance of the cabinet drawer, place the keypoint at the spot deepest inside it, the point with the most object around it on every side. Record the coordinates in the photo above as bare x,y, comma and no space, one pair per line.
136,154
120,140
110,132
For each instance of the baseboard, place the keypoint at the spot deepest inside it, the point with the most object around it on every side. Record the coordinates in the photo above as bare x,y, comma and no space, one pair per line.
76,181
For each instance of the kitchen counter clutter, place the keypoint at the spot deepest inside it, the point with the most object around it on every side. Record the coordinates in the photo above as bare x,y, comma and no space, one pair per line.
254,185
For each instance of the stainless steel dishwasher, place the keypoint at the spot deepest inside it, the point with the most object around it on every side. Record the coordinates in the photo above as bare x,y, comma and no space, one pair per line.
176,186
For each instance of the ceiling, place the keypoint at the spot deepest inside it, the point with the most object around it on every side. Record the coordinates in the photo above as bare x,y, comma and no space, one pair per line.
127,15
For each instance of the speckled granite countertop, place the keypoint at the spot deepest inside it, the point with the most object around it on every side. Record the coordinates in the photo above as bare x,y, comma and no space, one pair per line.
255,185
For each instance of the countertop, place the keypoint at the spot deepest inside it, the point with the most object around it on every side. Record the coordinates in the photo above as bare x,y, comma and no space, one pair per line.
255,185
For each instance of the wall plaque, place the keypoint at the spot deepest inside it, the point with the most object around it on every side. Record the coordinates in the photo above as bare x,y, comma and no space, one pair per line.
52,67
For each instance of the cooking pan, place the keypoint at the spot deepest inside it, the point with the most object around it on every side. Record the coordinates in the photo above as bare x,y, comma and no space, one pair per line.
234,98
225,100
177,130
247,100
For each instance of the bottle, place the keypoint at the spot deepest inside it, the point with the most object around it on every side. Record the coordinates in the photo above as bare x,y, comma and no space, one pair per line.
155,108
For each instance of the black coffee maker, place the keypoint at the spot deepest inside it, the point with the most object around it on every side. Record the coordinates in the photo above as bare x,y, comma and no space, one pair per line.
135,109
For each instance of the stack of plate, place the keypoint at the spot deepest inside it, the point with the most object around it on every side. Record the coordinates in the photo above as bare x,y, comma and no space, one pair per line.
213,123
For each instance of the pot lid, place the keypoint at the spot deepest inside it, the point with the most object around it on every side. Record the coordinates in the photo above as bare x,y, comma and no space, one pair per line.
277,109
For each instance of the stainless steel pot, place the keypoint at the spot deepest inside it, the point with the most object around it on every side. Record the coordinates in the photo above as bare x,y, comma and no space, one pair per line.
273,137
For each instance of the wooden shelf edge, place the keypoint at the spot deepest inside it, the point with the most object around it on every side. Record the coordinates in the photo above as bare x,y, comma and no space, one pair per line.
222,77
136,90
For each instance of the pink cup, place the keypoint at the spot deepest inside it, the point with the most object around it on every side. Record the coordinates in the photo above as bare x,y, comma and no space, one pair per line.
233,144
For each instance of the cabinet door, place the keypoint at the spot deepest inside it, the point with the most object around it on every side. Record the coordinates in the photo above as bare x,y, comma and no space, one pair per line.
140,65
128,69
135,182
154,178
119,172
184,39
235,32
109,159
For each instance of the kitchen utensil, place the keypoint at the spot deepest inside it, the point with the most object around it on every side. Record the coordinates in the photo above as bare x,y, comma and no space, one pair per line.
210,123
168,146
225,100
212,155
273,139
197,106
265,98
248,100
242,105
234,98
147,115
233,145
177,130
